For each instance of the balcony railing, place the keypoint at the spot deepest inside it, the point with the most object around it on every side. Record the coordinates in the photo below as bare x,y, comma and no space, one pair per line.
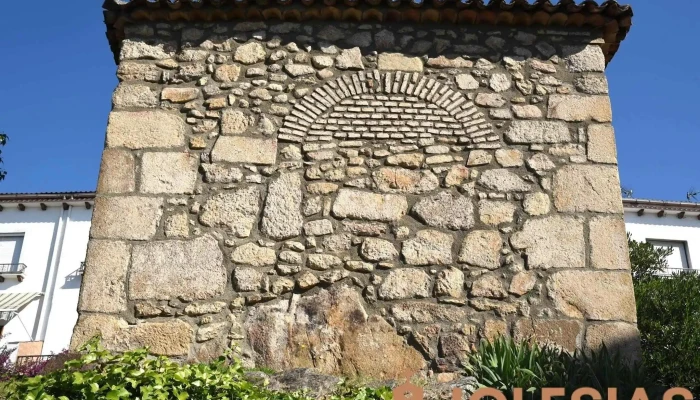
16,270
670,272
32,360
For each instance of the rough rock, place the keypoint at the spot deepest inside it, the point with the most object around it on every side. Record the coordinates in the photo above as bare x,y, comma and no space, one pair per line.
581,188
399,62
552,242
479,157
608,240
282,217
488,286
587,294
617,337
522,283
235,122
350,59
584,59
117,172
200,308
126,95
191,269
374,249
247,279
540,162
527,111
104,280
592,84
601,144
564,333
236,211
318,227
411,160
252,254
238,149
171,173
427,313
530,132
329,331
129,218
503,180
177,226
297,70
575,108
357,204
445,210
449,282
249,53
490,100
219,173
536,203
323,262
227,73
400,180
495,213
145,129
499,82
429,247
509,157
179,95
137,49
482,249
405,283
466,82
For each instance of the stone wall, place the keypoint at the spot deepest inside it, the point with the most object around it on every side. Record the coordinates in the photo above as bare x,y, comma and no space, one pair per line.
362,199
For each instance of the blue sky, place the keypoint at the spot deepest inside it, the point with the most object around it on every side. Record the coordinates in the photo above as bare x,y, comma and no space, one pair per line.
57,74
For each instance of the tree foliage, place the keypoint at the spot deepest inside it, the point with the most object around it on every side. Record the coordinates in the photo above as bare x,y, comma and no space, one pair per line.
647,260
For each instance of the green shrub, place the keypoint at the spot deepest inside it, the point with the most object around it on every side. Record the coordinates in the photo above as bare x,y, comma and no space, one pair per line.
668,312
98,374
646,259
505,364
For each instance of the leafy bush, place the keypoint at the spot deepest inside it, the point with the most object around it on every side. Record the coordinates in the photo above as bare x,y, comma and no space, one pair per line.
98,374
668,312
646,259
505,364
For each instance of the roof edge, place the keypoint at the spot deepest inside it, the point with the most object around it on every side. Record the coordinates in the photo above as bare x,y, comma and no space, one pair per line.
47,197
661,205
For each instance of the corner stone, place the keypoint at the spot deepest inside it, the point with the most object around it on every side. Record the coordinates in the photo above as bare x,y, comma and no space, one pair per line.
564,333
601,144
552,242
581,188
145,129
104,281
617,336
239,149
574,108
172,173
530,132
192,269
608,239
117,172
130,218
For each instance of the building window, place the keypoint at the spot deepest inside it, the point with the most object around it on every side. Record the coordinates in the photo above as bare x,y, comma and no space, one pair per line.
10,248
678,260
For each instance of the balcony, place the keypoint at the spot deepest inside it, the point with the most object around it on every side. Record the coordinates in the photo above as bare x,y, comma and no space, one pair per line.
12,271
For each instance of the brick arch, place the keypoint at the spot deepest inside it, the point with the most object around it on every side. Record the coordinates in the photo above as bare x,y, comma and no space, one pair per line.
424,107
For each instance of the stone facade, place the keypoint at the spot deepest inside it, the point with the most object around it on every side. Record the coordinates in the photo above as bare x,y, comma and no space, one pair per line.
358,198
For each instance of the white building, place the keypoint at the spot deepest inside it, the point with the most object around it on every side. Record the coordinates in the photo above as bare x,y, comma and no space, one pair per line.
667,224
43,241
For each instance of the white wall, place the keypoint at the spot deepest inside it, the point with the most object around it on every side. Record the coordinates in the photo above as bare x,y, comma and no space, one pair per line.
54,245
650,227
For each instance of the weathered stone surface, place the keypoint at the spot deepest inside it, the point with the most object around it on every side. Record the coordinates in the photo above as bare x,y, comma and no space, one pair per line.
584,59
318,227
522,283
357,204
137,49
172,338
575,108
445,210
240,149
499,82
210,331
338,243
527,111
227,73
282,217
126,95
172,173
617,337
427,313
581,188
608,241
236,210
177,226
552,242
361,228
482,249
130,218
219,173
509,157
359,266
374,249
479,157
405,283
307,280
191,269
117,172
104,280
429,247
594,295
527,132
564,333
456,175
503,180
132,71
235,122
540,162
400,180
297,70
411,160
145,129
466,82
495,213
249,53
399,62
449,282
350,59
331,332
536,203
490,100
252,254
202,308
601,144
592,84
488,286
493,328
323,262
444,62
179,95
247,279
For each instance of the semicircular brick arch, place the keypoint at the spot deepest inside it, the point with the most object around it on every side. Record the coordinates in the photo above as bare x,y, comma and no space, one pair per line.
385,105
